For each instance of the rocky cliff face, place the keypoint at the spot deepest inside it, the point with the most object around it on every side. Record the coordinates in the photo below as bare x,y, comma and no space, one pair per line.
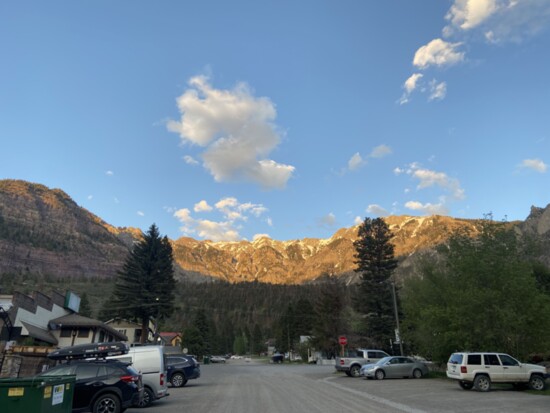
44,231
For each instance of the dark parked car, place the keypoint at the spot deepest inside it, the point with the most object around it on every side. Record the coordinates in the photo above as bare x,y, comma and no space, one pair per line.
101,385
182,368
277,358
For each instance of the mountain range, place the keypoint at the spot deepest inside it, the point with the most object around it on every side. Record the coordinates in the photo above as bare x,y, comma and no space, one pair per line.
43,231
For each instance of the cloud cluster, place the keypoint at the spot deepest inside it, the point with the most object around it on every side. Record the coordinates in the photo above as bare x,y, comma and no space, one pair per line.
357,161
428,178
534,164
237,131
233,215
492,21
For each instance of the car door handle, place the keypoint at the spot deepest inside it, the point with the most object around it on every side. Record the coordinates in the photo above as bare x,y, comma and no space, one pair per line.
97,384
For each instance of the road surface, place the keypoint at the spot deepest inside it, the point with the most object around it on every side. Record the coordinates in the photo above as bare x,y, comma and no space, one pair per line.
255,387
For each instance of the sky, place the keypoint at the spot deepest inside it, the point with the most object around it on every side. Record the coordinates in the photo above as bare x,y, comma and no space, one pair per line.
235,120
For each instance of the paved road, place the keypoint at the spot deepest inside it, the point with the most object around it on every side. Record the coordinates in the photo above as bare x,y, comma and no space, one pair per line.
239,387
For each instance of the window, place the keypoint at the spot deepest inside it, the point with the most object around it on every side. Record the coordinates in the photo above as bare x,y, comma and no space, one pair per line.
507,360
83,332
474,359
60,371
86,371
491,360
65,332
456,359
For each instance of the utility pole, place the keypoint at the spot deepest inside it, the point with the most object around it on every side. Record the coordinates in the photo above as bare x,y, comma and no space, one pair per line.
397,318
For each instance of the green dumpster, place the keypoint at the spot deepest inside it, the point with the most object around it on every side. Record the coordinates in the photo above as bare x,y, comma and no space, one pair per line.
44,394
206,360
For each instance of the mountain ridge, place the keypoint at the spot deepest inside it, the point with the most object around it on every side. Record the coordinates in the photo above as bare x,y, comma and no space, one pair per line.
44,231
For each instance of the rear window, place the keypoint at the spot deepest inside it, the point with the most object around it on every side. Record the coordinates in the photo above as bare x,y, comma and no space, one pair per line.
474,359
456,358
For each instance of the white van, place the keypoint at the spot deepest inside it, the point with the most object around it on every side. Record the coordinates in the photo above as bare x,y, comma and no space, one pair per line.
150,361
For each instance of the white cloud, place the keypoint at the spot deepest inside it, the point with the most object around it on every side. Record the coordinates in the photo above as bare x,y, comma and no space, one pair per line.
377,210
437,90
189,160
438,52
109,173
202,206
428,209
141,214
269,222
498,20
358,220
328,220
410,86
429,178
226,229
355,162
380,151
237,131
90,197
534,164
258,236
467,14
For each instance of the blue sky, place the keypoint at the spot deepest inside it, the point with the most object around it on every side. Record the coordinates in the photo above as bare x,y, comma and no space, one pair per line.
231,120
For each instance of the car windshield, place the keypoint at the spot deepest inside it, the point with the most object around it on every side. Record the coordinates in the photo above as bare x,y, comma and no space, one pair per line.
384,360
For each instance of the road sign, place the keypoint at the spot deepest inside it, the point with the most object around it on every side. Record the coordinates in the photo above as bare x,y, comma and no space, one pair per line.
342,340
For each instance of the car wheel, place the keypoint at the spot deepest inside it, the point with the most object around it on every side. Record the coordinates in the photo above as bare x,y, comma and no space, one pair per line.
465,385
380,374
106,403
355,371
417,374
482,383
178,380
148,397
536,383
348,373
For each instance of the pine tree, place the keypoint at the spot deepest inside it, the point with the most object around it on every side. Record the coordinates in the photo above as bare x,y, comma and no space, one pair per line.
144,288
376,263
85,308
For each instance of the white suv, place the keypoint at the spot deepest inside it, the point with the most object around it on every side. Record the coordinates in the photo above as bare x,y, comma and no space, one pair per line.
479,370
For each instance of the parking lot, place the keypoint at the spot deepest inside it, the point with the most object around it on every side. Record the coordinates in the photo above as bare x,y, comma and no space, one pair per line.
241,387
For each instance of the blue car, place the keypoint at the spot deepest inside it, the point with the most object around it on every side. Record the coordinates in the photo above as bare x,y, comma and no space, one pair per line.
182,368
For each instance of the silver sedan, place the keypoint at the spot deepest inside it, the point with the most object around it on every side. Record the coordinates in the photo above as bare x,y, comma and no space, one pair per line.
394,367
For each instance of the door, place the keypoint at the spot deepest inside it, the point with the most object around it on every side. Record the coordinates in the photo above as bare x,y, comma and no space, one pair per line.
512,368
493,367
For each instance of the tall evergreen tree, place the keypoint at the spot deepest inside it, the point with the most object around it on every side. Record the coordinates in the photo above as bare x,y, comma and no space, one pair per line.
329,322
376,263
144,288
85,308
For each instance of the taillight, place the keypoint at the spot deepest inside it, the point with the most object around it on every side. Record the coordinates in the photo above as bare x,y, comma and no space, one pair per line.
130,379
342,362
463,369
162,379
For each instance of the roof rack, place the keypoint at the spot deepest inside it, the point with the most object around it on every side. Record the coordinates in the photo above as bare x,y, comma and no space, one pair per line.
92,350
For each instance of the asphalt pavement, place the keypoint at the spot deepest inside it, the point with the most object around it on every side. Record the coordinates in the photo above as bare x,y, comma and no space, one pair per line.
256,387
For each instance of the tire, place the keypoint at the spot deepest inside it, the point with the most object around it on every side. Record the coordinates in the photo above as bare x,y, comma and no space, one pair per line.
348,373
380,374
178,380
482,383
107,403
537,383
355,371
417,374
465,385
148,397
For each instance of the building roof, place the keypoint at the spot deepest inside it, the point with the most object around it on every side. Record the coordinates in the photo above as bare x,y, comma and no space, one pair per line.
76,320
39,333
169,335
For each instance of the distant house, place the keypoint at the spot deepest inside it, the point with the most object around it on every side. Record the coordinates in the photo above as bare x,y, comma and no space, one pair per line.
43,320
171,339
131,329
73,329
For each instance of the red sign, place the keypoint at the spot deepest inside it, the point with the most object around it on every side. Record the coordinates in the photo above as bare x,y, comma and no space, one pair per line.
342,340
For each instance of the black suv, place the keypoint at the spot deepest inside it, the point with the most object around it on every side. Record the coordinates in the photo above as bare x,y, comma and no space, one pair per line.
182,368
102,386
